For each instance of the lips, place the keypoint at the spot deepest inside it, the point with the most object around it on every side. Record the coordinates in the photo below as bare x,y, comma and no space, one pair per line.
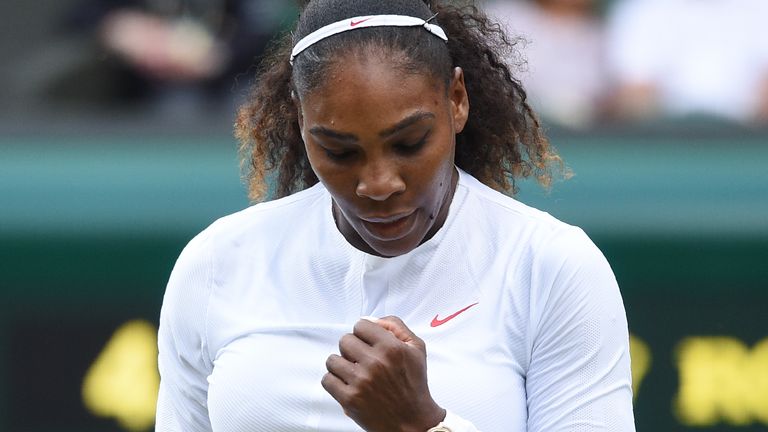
390,228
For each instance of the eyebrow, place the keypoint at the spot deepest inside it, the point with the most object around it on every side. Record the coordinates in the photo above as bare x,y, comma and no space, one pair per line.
348,137
404,123
330,133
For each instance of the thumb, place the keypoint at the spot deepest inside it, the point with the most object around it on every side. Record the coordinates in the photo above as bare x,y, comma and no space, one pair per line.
401,331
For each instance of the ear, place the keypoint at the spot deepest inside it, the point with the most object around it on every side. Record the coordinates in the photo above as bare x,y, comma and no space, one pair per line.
457,93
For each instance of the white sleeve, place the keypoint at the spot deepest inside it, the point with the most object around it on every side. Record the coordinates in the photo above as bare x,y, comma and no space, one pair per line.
579,376
184,361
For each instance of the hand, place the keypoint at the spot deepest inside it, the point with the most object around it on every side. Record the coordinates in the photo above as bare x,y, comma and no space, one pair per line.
380,378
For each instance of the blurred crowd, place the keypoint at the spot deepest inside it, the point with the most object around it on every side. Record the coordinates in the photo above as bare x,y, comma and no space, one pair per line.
630,60
585,62
170,54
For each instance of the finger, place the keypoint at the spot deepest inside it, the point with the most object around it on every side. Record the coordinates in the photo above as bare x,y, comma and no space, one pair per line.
397,327
341,368
353,349
334,386
371,333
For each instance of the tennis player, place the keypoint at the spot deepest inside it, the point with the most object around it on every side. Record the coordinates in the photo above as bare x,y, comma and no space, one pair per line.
394,285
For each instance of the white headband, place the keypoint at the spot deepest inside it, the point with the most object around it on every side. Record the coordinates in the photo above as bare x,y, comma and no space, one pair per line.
362,22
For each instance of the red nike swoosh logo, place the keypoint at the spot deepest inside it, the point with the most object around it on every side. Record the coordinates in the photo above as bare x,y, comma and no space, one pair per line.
438,322
354,23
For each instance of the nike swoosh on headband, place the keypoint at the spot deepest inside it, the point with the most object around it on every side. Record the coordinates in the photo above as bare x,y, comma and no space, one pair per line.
357,23
364,22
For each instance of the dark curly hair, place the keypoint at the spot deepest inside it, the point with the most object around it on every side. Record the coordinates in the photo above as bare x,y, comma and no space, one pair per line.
502,140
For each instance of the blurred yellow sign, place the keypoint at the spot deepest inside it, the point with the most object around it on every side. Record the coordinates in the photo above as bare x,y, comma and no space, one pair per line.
640,354
722,381
123,381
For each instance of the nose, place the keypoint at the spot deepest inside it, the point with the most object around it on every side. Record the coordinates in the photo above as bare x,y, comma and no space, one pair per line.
379,181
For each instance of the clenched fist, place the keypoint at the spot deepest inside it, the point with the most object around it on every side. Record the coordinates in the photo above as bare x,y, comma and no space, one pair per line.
380,378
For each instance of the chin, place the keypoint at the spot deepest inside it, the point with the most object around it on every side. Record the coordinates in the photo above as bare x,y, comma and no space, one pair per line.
393,248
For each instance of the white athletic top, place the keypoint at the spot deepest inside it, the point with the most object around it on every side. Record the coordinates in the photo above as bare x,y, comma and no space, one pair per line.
258,301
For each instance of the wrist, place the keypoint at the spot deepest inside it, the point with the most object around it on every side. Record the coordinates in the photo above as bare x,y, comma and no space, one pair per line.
429,420
453,423
440,426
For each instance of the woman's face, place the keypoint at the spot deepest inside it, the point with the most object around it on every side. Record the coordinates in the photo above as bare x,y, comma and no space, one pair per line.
382,142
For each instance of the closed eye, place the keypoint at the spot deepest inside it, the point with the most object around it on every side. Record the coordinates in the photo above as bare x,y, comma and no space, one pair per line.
339,155
408,149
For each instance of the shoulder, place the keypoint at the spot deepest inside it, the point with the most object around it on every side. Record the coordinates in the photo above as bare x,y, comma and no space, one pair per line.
524,233
551,246
266,222
505,215
276,212
221,247
256,231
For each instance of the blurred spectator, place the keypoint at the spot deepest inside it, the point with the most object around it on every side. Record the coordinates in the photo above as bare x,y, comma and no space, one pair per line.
690,57
161,51
565,78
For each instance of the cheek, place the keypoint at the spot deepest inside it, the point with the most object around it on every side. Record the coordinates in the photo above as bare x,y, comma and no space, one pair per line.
433,177
440,160
337,180
319,163
315,163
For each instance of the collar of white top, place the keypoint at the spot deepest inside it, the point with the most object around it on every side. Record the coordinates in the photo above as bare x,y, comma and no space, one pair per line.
363,22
